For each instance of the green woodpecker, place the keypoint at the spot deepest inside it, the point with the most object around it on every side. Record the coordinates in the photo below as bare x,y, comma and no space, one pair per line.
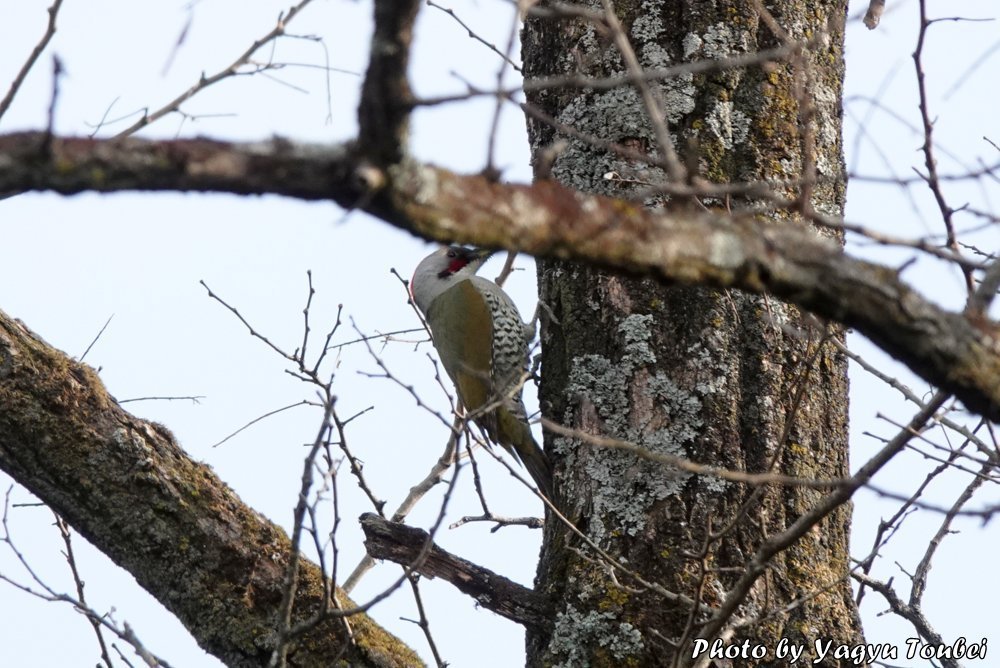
483,345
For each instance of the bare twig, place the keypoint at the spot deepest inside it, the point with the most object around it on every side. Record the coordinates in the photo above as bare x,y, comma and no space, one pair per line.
232,70
284,630
417,492
491,170
501,522
578,80
96,338
474,35
908,612
194,398
930,161
47,593
253,332
64,532
689,466
422,620
303,402
15,85
923,568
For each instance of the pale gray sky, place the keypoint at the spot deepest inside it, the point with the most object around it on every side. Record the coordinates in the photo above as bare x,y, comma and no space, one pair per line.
70,263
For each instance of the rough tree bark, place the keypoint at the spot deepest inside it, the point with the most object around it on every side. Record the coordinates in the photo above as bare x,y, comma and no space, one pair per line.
721,377
709,373
128,487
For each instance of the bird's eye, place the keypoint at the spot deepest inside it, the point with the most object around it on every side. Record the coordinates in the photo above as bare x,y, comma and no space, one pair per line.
451,253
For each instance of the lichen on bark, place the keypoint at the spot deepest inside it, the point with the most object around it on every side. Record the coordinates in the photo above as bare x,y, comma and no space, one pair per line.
126,486
722,378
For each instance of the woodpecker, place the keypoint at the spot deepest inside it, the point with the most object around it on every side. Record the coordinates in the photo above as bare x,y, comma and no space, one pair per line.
483,345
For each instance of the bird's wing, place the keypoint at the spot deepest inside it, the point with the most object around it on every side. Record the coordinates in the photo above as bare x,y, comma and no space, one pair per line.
509,345
462,327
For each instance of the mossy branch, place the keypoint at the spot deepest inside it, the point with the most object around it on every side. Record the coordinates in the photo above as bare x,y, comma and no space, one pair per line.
127,487
958,353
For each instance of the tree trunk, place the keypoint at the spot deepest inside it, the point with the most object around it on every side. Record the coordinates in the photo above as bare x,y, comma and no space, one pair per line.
720,377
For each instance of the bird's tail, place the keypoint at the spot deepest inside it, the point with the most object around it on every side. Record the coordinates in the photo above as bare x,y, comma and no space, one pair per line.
515,437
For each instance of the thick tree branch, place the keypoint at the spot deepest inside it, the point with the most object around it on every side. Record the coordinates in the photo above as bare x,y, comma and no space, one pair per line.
384,112
127,487
34,161
404,545
956,353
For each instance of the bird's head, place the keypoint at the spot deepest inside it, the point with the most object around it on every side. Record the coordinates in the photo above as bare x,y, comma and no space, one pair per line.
442,269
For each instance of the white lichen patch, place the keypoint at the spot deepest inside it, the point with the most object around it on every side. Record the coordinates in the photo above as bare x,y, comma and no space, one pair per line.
725,251
677,96
721,41
825,95
524,213
618,112
603,383
789,168
422,179
691,44
702,358
637,333
617,116
825,166
730,125
683,408
668,421
648,26
575,634
653,56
